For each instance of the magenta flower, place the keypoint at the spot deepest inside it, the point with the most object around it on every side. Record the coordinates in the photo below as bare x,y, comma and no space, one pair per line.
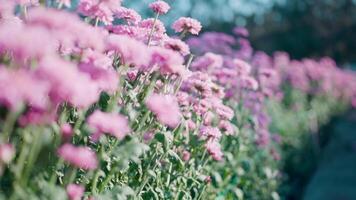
159,7
187,24
108,123
81,157
7,153
75,192
166,109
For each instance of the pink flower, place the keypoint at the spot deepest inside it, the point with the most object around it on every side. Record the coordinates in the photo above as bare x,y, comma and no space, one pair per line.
68,83
214,149
21,87
158,26
186,155
131,51
75,192
249,82
241,31
130,15
167,61
81,157
68,29
66,131
14,41
7,153
177,45
209,132
101,9
187,24
166,109
242,67
99,67
227,127
108,123
208,62
159,7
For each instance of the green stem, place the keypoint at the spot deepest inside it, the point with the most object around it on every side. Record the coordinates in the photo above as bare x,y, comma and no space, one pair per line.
70,176
9,124
152,30
35,150
53,178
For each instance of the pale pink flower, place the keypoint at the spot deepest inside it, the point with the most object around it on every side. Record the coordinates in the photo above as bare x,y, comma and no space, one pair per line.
208,62
177,45
127,14
81,157
108,123
208,132
99,67
242,67
214,149
227,127
66,132
22,87
75,192
68,29
241,31
249,82
67,83
14,41
166,109
159,28
167,61
101,9
7,153
187,24
130,51
186,155
159,7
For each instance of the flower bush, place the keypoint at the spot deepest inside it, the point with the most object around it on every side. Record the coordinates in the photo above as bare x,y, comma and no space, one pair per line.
99,103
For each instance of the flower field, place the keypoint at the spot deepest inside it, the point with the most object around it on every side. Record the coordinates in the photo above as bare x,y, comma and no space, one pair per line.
97,102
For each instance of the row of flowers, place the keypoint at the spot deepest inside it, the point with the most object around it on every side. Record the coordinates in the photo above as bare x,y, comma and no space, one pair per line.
102,104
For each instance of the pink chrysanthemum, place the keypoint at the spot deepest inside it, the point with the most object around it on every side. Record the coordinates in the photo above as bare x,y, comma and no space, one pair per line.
127,14
214,149
131,51
160,7
75,192
168,61
7,153
109,123
166,108
187,24
177,45
81,157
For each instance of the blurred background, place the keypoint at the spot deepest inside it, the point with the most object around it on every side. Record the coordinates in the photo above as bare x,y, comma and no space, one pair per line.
303,28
